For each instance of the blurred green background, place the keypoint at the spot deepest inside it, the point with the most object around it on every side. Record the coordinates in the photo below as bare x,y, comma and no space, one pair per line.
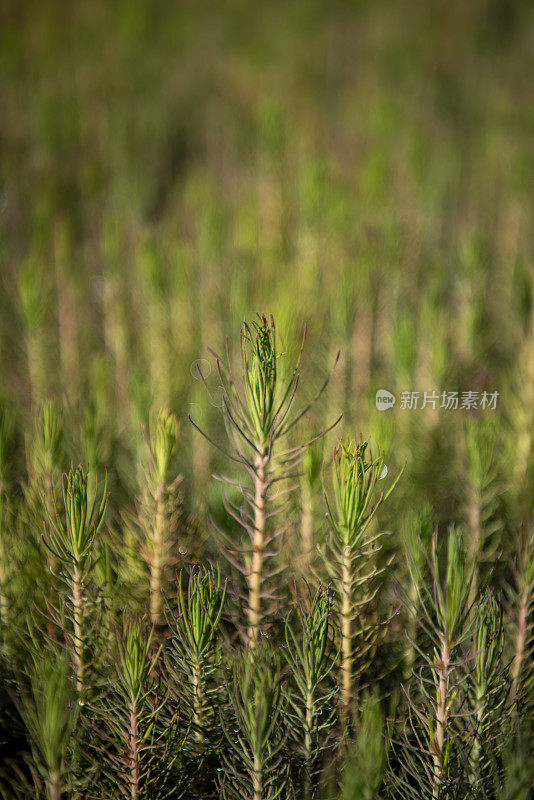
170,168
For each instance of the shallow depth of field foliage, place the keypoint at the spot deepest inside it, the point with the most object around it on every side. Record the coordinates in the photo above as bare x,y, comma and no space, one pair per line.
224,573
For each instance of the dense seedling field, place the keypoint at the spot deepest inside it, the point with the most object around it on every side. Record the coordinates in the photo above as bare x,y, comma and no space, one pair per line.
267,400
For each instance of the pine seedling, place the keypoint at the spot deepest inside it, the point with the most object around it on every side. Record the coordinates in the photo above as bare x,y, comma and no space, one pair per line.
136,745
415,537
45,452
310,650
350,552
158,507
6,437
258,418
516,780
482,490
452,610
191,660
252,765
70,535
106,578
49,710
366,760
152,281
521,601
67,317
4,562
44,456
95,439
117,334
432,347
520,407
435,739
310,476
33,294
487,692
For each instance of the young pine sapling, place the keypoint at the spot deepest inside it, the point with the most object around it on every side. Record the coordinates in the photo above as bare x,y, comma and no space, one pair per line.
311,652
158,506
70,535
258,417
349,555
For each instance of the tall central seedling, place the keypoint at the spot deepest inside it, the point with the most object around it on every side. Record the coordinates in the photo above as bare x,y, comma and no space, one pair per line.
260,388
257,418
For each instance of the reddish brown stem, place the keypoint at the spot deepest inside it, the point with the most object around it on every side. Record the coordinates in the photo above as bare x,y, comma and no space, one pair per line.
346,633
307,526
442,713
256,573
520,639
77,601
53,786
133,754
157,563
